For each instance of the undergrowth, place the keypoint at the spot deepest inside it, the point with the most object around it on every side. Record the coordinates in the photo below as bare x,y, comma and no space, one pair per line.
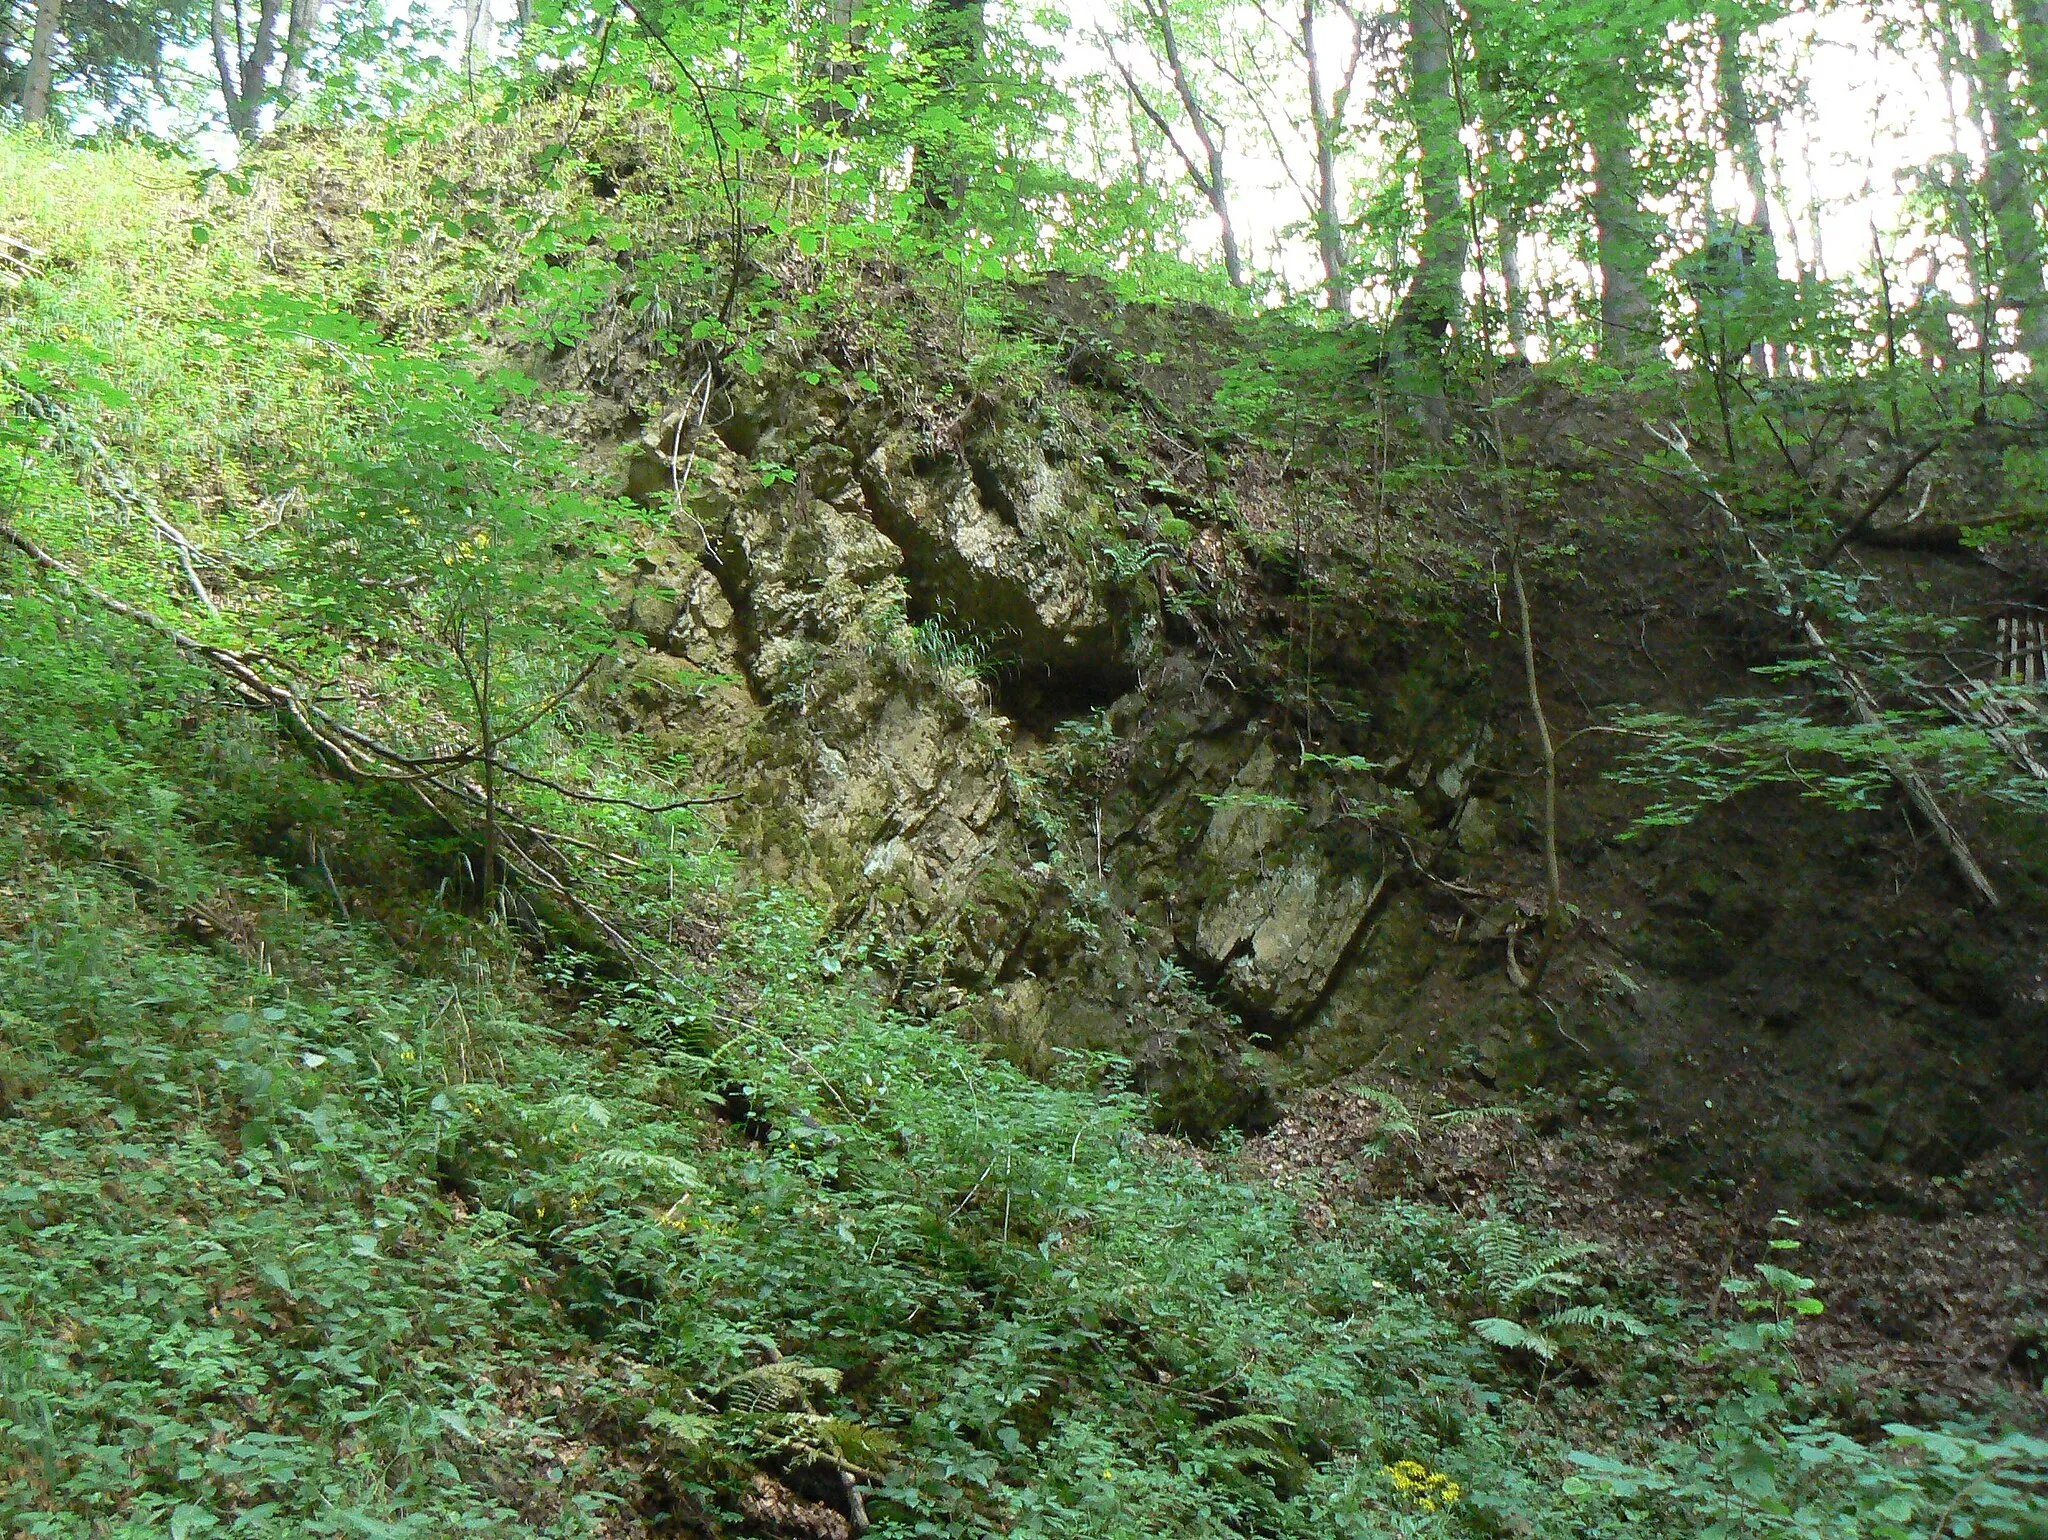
340,1202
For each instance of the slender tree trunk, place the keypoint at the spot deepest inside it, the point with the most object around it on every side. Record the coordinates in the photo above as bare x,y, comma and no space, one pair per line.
1553,880
1329,226
1514,293
298,43
2008,186
2030,22
1738,121
225,66
1213,183
42,62
1204,163
476,33
957,30
1626,329
487,736
833,61
1436,293
8,9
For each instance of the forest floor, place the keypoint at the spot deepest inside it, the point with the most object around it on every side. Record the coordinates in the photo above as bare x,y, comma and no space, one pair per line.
1931,1295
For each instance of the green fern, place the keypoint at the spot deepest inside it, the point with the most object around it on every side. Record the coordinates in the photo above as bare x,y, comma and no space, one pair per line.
808,1438
646,1163
1251,1441
1458,1117
686,1430
783,1385
1520,1274
1596,1318
1504,1333
1395,1118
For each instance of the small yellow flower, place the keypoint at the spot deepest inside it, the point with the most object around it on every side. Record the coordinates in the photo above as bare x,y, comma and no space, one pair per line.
1425,1489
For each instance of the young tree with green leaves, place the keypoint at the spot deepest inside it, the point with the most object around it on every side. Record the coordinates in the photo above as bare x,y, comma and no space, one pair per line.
1197,138
1434,300
453,541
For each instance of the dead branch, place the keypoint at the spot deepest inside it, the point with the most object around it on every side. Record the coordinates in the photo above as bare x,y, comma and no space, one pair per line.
1859,527
355,755
1862,701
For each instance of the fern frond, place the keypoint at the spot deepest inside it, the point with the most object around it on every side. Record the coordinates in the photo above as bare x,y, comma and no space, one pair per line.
1503,1333
1549,1281
576,1107
1503,1252
1394,1114
855,1445
1595,1318
1461,1115
691,1430
630,1162
1256,1425
781,1386
852,1446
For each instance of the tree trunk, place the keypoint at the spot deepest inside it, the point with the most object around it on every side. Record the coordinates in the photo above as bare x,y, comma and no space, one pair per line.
42,62
956,33
833,62
1436,293
1206,170
2030,21
1212,183
298,42
224,65
7,13
488,742
1514,293
1738,121
1626,329
476,33
243,63
1329,226
2008,188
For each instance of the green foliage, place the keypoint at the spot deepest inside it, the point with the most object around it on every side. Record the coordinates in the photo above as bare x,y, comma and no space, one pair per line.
1690,763
1763,1467
333,1210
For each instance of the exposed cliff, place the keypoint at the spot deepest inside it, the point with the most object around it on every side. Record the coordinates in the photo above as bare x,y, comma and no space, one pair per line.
1091,740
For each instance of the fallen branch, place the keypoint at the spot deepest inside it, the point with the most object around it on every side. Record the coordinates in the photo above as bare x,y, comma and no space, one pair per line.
1946,535
1859,527
352,753
574,795
1862,701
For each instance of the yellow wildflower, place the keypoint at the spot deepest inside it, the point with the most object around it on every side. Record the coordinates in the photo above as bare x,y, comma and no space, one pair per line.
1425,1489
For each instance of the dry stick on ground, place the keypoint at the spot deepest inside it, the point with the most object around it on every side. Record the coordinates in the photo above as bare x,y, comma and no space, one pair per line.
1553,883
106,469
1861,699
353,754
1857,527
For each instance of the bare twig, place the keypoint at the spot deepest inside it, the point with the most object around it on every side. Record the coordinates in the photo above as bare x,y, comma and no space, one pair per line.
356,755
1856,527
1862,702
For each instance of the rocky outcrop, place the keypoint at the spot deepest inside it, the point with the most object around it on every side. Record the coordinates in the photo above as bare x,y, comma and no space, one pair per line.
915,661
960,699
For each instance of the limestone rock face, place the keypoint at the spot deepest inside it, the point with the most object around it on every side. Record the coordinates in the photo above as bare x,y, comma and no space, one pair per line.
989,540
907,653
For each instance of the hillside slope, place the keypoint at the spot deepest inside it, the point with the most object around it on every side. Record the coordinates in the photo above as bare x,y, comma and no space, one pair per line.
393,1153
